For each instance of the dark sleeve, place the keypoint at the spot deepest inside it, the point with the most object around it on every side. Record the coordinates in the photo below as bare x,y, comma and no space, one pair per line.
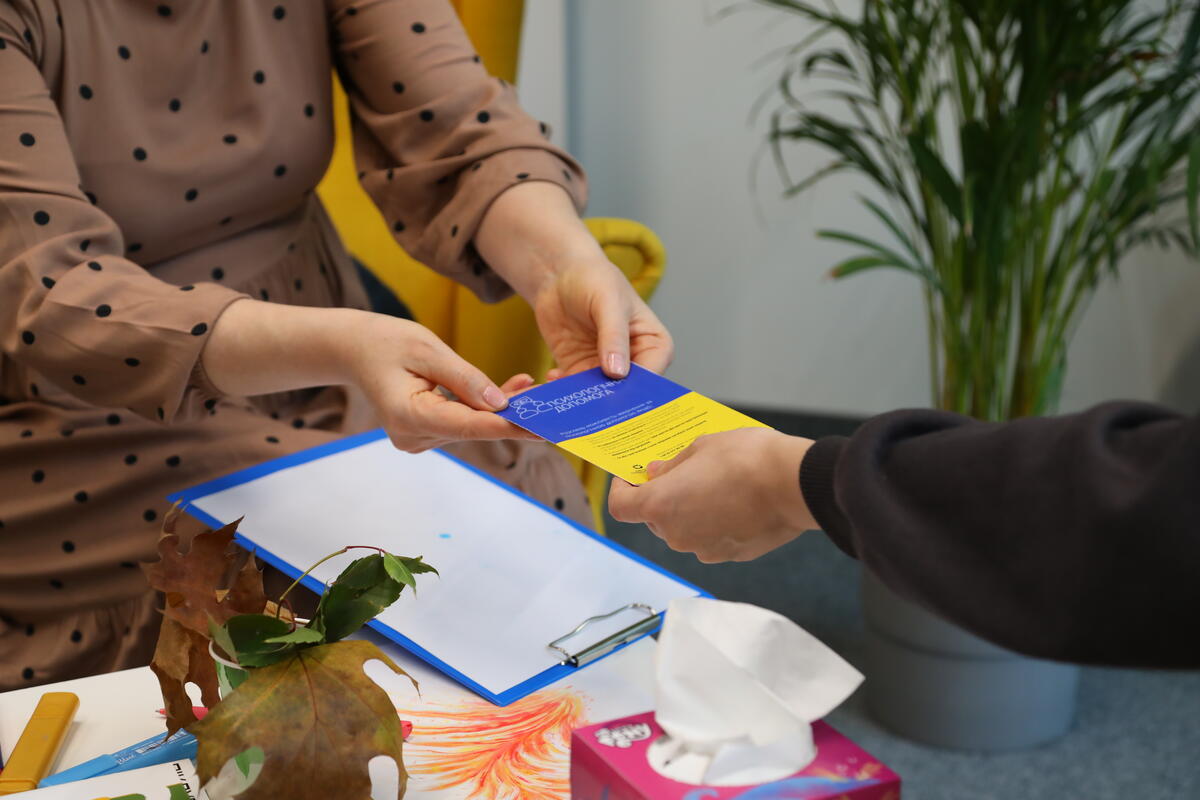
1074,538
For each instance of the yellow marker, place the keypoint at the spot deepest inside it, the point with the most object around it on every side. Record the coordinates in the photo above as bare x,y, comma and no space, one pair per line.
38,747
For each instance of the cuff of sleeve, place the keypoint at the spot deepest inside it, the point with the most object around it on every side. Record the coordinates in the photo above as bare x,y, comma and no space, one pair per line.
197,396
448,241
817,474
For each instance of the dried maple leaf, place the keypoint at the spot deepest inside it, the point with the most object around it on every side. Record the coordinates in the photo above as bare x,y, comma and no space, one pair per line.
194,587
182,657
195,583
318,719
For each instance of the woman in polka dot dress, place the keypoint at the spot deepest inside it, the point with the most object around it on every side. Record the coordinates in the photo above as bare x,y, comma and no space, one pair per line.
174,303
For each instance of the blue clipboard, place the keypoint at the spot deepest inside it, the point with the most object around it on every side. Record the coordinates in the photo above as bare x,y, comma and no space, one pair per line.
572,659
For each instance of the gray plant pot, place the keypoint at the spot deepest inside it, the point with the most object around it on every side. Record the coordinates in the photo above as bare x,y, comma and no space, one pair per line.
931,681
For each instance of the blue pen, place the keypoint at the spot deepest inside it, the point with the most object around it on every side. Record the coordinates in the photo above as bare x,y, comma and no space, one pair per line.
143,754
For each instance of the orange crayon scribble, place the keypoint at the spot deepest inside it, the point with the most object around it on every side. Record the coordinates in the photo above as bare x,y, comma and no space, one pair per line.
518,752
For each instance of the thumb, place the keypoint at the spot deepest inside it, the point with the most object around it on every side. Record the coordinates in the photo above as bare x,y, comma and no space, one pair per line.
443,366
656,469
625,501
612,337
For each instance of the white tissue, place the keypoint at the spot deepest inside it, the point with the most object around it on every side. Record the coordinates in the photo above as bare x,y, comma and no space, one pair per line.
738,688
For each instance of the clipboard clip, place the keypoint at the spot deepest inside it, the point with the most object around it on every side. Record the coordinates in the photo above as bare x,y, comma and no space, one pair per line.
608,643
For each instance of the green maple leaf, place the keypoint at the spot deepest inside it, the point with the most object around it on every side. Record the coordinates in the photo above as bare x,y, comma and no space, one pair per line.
360,593
254,639
318,720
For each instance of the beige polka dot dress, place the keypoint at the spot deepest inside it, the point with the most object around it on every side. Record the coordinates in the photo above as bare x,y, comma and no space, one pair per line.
157,162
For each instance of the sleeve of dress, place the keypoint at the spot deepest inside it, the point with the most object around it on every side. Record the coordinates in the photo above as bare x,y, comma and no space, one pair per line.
72,307
436,138
1071,538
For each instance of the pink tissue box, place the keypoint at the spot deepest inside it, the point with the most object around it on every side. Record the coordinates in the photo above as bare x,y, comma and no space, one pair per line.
608,762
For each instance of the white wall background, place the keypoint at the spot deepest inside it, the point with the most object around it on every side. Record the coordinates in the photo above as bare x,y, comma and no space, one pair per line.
660,96
543,68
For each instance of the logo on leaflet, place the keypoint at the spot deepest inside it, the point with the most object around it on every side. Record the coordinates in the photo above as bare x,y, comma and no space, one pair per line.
528,407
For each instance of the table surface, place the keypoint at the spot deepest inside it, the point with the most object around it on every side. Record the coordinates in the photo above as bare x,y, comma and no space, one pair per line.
120,708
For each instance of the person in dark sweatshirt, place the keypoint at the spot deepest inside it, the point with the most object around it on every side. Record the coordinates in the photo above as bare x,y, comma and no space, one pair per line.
1073,538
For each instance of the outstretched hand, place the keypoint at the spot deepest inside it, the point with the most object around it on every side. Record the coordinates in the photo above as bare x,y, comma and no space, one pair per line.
586,309
590,316
730,496
403,370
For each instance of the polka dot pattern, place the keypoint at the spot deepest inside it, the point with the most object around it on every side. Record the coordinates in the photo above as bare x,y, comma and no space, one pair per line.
110,462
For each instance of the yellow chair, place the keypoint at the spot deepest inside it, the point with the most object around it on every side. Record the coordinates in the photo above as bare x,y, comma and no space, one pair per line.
502,338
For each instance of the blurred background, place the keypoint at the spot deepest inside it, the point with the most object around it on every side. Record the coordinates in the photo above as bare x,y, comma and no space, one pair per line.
655,98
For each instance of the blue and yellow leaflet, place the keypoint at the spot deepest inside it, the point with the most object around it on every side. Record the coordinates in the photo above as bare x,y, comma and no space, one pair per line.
621,425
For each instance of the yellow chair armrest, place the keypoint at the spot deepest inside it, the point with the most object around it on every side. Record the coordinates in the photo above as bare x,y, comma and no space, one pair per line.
634,248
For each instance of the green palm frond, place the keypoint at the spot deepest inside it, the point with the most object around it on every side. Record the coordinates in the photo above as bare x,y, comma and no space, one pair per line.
1022,147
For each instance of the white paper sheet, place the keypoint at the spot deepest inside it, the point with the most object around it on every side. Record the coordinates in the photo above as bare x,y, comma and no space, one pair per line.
514,576
150,783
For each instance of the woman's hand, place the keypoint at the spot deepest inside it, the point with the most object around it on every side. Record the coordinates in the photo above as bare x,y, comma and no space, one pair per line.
260,348
586,309
590,316
728,497
402,367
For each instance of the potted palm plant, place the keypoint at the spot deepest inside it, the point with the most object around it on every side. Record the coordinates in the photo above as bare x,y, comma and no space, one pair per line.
1017,150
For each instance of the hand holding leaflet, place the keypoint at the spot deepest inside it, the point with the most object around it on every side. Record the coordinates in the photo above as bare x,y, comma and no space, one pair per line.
621,425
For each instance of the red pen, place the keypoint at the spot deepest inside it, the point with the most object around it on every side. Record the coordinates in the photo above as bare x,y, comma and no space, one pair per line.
199,711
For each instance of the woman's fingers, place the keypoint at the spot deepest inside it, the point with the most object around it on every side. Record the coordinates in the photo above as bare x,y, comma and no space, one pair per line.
437,363
517,384
612,319
652,346
448,420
